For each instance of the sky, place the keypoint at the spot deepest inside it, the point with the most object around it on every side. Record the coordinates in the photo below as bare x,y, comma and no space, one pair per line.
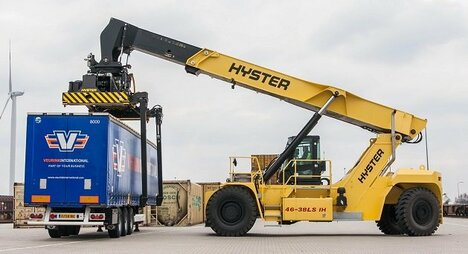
410,55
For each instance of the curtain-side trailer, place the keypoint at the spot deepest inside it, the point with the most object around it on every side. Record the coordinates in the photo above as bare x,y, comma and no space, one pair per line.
86,170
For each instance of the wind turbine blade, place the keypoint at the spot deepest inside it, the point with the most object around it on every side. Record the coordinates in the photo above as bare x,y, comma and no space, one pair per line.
9,69
6,104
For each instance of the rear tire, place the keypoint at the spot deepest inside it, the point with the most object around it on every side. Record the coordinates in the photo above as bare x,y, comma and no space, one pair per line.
124,222
130,220
418,212
231,211
54,232
74,230
64,230
117,230
388,223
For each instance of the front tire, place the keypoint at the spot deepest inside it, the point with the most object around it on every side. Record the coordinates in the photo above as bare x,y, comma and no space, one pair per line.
417,212
231,211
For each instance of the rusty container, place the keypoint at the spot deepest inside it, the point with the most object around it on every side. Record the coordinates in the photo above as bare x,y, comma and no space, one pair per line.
182,204
264,160
6,209
21,213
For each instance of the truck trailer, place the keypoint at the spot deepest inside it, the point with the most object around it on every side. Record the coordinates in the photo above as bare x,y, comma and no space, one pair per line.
86,170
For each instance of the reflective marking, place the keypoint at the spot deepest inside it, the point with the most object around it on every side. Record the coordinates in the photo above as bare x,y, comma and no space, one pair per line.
101,97
113,97
82,98
70,98
95,97
77,98
88,97
107,97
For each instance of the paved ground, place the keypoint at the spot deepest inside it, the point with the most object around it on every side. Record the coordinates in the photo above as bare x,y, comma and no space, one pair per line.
335,237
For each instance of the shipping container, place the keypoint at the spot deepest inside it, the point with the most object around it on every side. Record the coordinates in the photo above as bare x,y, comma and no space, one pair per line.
182,204
78,164
208,189
264,160
22,213
6,209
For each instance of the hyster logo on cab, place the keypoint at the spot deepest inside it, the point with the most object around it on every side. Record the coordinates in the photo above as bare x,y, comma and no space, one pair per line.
258,75
66,141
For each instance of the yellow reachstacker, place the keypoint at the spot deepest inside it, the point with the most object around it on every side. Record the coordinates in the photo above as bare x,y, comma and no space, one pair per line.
405,202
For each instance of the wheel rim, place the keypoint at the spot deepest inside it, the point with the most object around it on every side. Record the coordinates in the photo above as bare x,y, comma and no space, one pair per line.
422,212
231,212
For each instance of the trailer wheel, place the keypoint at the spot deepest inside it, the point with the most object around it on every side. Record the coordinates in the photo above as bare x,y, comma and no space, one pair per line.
388,223
54,232
418,212
64,230
74,230
124,221
116,231
231,211
130,221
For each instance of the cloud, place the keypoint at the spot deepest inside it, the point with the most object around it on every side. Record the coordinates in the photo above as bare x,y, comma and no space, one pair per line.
392,32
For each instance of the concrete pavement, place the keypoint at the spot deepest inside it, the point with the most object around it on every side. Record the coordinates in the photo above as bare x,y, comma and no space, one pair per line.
334,237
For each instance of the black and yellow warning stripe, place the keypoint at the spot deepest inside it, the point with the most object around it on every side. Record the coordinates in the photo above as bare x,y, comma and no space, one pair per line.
94,98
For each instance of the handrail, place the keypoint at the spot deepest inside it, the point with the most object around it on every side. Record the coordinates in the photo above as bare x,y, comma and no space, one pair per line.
296,175
253,175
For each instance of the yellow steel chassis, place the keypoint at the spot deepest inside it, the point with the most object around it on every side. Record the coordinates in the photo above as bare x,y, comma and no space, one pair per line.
291,202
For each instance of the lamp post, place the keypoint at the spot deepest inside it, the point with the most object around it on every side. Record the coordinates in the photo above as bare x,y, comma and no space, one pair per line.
458,188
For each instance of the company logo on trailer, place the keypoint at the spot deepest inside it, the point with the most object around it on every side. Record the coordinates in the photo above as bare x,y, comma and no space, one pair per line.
119,156
66,141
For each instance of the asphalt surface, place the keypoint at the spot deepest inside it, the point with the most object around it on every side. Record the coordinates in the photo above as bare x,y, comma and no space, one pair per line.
304,237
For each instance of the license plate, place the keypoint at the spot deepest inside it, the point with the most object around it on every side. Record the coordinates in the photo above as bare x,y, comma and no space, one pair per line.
70,216
67,216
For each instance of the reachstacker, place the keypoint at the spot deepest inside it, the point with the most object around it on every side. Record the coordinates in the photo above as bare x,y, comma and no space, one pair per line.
407,201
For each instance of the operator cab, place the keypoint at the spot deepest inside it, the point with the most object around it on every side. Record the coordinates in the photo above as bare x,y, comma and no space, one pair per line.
308,170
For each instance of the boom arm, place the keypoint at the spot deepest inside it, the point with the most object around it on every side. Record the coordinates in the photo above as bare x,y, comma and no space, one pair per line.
107,88
120,37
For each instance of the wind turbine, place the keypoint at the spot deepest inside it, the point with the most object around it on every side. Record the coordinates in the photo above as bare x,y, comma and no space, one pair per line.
11,96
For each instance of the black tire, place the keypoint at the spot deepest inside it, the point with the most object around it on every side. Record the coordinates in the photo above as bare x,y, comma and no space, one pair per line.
64,230
231,211
124,221
388,223
117,230
74,230
418,212
130,221
54,232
